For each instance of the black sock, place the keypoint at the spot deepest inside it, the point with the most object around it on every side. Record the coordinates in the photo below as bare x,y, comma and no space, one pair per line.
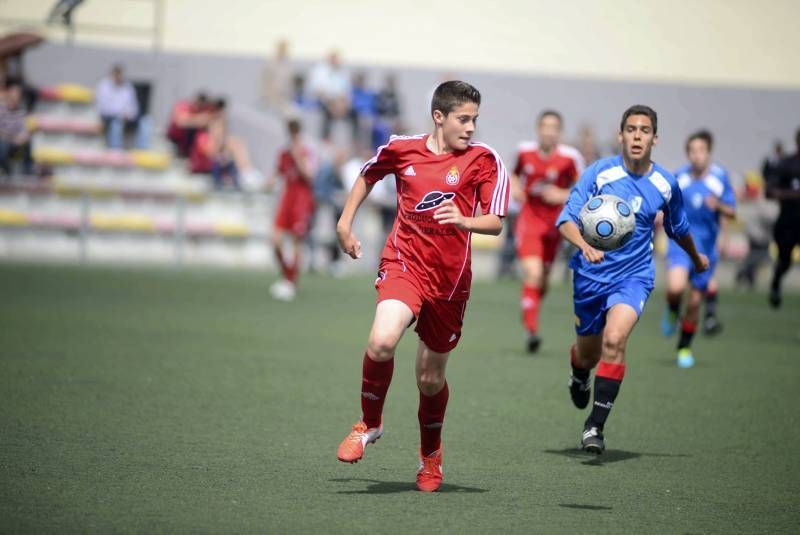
674,303
687,333
605,392
582,374
711,304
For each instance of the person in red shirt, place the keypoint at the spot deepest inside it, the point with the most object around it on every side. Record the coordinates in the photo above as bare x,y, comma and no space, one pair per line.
542,178
297,166
444,181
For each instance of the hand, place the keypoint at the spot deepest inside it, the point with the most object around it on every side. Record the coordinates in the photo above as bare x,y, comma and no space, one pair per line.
700,263
348,242
592,255
449,214
712,203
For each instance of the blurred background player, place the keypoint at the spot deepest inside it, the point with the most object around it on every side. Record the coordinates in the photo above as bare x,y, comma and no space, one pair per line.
543,175
425,271
707,194
296,164
610,289
785,188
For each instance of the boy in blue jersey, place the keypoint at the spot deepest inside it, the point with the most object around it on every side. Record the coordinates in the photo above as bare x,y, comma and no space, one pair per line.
707,195
610,289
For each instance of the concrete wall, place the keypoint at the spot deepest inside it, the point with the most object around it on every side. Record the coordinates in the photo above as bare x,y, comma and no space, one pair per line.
731,42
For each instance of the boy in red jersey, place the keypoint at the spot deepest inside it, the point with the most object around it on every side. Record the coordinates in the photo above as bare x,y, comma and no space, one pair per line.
542,178
295,210
442,180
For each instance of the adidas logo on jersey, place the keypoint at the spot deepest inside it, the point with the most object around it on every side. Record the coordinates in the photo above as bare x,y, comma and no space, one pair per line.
410,171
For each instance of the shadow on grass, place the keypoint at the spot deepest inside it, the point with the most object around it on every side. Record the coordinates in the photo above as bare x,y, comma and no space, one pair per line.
585,507
390,487
609,456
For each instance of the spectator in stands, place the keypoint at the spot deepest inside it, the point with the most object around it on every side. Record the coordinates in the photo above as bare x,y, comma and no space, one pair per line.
189,117
587,144
330,84
277,82
116,103
387,106
222,149
15,139
300,99
363,108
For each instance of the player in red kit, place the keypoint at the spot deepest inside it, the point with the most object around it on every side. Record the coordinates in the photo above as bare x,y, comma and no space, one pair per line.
444,180
542,178
296,164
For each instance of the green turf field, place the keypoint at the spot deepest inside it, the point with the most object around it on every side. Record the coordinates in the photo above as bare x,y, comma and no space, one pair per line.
147,400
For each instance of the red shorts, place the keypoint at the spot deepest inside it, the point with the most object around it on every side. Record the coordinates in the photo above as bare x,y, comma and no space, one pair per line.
295,212
438,321
535,237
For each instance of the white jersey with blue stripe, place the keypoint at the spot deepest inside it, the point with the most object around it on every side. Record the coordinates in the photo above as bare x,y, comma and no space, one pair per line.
647,194
703,221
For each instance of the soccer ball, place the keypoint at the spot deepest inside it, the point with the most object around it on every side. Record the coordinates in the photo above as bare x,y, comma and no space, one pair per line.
607,222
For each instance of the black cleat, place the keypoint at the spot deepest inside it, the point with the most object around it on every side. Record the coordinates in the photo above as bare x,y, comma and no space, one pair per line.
579,391
711,326
775,298
592,441
533,343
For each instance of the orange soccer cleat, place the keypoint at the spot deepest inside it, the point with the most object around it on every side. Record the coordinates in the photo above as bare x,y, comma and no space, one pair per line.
429,475
351,450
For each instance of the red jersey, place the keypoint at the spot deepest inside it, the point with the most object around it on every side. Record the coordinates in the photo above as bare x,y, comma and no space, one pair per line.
437,255
561,168
287,168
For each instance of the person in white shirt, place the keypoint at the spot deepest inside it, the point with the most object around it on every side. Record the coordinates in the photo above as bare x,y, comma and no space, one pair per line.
115,99
329,82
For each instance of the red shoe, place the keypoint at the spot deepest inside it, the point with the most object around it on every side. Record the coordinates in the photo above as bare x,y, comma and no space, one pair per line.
351,450
429,475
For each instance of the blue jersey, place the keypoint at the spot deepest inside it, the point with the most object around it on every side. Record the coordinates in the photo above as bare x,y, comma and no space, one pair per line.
703,221
647,194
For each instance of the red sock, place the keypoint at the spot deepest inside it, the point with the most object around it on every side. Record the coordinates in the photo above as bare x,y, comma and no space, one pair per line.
688,326
291,273
431,419
607,370
375,380
531,297
285,267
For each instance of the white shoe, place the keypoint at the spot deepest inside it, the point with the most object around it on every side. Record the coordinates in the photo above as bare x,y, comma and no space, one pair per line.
282,290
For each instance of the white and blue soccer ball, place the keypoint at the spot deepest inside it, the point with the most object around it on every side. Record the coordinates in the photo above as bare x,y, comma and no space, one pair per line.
607,222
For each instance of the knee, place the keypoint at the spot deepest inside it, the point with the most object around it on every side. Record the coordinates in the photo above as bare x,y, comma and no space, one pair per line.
430,382
381,345
614,346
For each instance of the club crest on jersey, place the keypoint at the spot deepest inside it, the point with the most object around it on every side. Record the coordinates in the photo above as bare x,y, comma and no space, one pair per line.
452,176
529,168
433,199
636,203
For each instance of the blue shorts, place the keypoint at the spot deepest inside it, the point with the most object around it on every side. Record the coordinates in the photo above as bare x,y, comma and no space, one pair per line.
593,299
677,258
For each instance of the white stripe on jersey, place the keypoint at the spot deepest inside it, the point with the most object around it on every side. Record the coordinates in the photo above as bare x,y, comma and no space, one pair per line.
715,185
610,175
374,159
497,206
662,185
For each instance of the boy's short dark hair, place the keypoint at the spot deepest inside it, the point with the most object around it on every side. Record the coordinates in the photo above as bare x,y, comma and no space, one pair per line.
703,135
640,109
293,126
549,113
453,93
